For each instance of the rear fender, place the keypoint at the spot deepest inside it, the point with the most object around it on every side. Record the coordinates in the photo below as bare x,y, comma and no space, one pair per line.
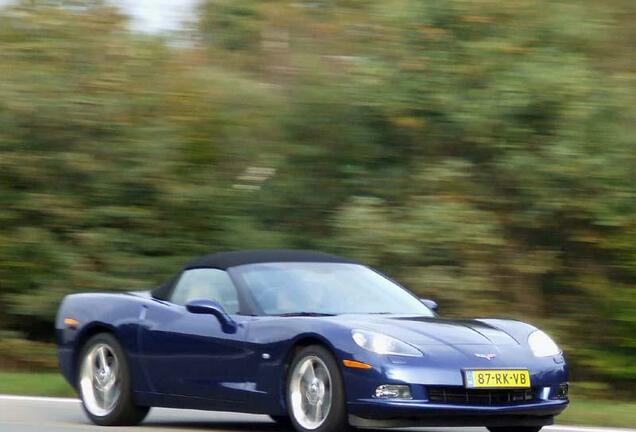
118,314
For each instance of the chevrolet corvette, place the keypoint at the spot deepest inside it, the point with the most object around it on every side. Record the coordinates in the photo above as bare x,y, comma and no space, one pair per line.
315,341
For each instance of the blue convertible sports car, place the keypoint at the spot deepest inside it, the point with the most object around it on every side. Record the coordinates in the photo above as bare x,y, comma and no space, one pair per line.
314,340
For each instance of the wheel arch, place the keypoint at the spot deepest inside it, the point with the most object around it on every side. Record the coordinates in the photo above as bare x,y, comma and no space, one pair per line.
85,335
300,342
305,340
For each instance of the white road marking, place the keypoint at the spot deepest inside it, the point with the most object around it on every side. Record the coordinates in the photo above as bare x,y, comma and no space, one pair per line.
38,399
583,429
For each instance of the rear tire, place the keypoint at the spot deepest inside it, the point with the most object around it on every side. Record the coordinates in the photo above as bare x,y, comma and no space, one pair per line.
315,392
104,383
515,428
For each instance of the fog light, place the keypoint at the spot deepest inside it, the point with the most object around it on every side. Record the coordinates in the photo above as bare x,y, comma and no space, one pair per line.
390,391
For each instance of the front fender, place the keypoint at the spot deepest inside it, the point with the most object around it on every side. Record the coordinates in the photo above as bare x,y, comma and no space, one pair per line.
272,342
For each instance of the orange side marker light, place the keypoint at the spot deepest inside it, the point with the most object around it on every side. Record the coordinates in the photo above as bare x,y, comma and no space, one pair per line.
356,364
71,323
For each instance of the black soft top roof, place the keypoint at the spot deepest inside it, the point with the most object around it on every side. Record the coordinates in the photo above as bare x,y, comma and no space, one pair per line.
225,260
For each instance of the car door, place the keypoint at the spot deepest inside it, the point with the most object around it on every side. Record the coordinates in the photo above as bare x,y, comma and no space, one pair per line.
187,354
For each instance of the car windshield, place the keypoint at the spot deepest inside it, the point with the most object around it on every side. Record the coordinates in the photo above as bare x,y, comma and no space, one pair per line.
325,288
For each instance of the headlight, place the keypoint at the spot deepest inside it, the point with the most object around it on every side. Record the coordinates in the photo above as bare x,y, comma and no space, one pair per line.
542,345
383,344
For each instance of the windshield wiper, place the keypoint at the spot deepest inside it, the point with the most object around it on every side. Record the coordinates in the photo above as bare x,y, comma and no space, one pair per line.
303,314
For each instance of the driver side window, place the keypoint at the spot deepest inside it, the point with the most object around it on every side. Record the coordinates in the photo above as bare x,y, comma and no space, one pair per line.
208,284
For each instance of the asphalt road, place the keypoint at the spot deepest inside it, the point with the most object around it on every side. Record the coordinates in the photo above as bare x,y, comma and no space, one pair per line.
18,414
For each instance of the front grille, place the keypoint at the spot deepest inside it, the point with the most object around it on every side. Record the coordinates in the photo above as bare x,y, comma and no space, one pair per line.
460,395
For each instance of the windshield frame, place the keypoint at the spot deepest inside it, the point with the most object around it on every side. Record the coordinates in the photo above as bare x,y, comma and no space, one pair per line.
256,310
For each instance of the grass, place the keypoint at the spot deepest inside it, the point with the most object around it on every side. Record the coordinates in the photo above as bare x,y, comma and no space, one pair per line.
581,412
599,413
35,384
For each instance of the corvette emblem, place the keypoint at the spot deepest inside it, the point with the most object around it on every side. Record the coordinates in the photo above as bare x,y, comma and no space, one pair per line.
486,356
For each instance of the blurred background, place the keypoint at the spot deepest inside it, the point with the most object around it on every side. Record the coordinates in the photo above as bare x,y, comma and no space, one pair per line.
481,152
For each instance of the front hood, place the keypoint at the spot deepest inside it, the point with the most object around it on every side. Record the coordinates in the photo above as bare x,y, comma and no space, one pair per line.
424,331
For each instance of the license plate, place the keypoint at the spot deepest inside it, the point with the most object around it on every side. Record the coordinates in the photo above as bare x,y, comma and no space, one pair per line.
489,378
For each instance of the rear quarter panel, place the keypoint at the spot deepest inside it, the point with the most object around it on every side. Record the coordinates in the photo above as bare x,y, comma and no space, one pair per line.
116,313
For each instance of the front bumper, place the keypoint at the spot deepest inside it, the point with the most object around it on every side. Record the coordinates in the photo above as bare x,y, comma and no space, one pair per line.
422,375
392,413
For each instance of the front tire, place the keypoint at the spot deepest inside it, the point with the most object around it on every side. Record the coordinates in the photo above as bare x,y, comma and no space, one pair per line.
104,384
515,429
315,392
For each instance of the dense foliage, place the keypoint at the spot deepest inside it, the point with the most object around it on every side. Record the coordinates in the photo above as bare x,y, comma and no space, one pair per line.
483,153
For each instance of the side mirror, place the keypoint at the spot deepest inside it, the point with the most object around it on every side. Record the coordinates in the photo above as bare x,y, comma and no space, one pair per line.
210,307
431,304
